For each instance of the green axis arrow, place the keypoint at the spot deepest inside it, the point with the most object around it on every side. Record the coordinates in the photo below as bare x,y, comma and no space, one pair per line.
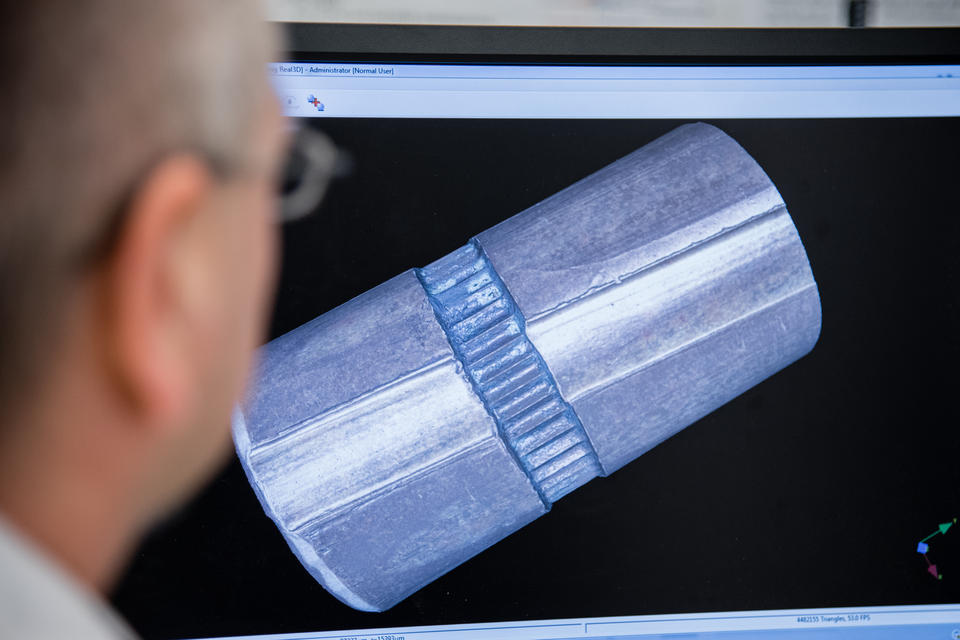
941,528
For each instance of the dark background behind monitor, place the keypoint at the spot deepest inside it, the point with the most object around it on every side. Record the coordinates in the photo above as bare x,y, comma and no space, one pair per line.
810,490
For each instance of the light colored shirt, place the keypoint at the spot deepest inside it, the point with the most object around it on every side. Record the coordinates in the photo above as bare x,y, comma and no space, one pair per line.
39,600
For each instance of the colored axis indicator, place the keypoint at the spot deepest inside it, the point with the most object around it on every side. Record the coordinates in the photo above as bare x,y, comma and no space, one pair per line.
923,548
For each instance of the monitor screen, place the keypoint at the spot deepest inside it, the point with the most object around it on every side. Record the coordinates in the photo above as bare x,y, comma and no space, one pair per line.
819,501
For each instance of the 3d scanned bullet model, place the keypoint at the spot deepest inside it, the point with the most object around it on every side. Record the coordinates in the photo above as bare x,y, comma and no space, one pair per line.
405,431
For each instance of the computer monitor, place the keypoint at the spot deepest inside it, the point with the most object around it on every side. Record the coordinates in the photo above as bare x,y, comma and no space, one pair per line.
819,503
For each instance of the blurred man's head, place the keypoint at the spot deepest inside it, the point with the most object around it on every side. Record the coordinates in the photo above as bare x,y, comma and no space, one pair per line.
138,154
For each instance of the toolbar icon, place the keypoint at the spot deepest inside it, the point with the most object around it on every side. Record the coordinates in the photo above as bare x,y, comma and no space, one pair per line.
316,103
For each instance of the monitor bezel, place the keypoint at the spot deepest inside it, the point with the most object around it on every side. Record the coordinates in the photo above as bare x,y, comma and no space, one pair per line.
461,44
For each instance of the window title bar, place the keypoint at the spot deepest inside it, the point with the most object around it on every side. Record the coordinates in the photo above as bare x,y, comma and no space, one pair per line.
580,91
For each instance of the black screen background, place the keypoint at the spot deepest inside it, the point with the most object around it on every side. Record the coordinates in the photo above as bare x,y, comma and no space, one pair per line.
810,490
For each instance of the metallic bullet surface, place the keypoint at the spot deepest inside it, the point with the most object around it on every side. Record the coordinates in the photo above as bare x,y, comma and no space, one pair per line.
398,435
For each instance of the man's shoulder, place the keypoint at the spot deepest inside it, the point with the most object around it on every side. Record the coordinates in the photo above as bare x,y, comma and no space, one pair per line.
39,600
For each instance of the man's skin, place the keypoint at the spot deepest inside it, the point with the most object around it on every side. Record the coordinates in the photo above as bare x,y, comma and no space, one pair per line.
132,415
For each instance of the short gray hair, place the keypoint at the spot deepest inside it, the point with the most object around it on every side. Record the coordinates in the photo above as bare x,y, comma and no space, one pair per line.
92,93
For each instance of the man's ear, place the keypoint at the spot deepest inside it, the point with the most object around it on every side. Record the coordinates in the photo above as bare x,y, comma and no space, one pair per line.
147,282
